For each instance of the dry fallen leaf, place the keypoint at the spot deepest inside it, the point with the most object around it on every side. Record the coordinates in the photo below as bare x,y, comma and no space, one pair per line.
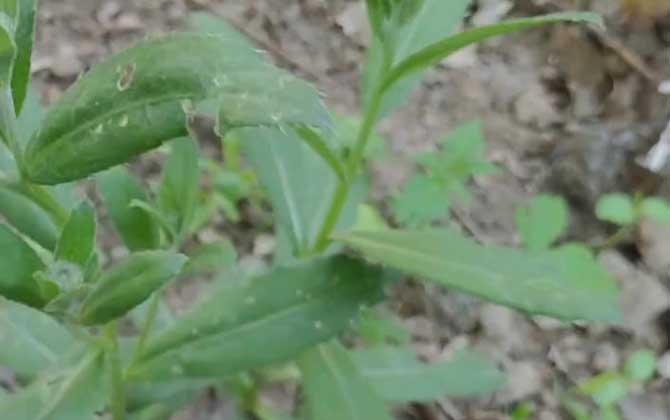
644,298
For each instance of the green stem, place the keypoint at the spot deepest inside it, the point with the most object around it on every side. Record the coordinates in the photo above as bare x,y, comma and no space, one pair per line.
353,166
614,240
333,216
118,397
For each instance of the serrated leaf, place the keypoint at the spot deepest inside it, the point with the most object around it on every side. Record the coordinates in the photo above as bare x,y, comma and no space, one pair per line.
432,54
180,188
397,376
334,387
24,37
542,222
231,330
137,100
72,393
128,284
566,283
422,201
616,208
28,218
30,341
78,239
19,262
283,164
119,189
461,157
445,173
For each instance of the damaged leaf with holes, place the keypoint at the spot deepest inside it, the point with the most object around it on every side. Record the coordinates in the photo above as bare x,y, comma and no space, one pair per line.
136,100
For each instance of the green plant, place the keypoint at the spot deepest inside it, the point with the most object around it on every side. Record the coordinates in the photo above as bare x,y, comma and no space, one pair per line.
609,388
624,210
62,302
627,212
443,178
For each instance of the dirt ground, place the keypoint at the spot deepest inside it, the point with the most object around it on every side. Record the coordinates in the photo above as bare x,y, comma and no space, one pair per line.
566,110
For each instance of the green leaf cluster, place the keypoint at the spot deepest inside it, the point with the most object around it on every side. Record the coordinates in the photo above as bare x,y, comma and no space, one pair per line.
443,177
625,210
609,388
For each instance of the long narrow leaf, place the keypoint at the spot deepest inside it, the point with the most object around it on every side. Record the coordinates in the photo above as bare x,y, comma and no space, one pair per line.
142,97
77,242
128,284
438,51
565,283
269,319
138,229
75,392
180,190
28,218
19,262
335,388
25,34
299,183
397,375
30,341
7,58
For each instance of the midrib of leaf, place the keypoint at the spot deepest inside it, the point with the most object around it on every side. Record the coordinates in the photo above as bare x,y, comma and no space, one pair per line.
130,108
390,372
133,106
442,263
340,380
68,385
257,323
41,347
290,195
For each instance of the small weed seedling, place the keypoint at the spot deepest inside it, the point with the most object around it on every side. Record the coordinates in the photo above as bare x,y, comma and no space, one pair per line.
608,389
443,178
627,212
62,302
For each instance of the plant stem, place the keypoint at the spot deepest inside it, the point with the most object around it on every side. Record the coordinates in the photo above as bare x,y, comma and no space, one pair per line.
344,186
614,240
118,397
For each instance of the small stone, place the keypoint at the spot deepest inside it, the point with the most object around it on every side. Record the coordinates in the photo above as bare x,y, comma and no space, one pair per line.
525,379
